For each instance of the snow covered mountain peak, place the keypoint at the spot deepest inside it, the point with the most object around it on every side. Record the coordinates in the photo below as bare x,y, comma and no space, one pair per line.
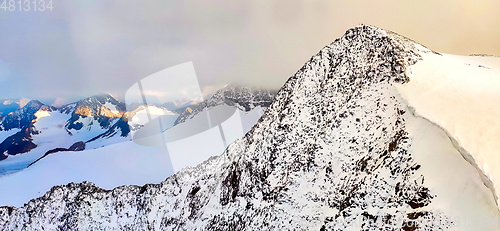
91,106
103,108
337,149
33,103
241,97
22,117
236,94
104,99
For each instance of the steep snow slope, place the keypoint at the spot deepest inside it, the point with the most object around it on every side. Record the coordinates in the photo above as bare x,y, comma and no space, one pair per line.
462,95
5,134
140,116
109,167
338,149
104,167
45,128
209,138
48,133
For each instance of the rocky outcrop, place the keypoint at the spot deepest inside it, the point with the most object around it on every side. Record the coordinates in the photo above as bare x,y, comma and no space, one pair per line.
22,117
84,114
94,107
20,142
243,98
332,151
120,127
78,146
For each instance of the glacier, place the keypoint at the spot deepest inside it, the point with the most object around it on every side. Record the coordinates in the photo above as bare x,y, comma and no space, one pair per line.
115,161
374,132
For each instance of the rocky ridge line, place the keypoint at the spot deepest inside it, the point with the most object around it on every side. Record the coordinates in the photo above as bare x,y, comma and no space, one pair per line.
331,145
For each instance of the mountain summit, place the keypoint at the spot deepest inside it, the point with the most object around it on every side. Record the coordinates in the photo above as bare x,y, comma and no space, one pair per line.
339,148
22,130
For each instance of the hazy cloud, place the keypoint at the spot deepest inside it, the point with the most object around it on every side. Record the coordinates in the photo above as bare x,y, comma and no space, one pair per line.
7,102
23,102
88,47
59,102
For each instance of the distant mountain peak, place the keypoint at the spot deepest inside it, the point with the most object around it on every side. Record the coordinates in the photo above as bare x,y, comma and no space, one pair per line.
102,98
102,107
241,97
34,103
333,151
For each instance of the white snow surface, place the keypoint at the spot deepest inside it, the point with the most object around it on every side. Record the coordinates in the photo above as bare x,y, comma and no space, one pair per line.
109,167
5,134
461,94
52,134
112,108
41,113
458,185
343,141
193,150
112,162
141,116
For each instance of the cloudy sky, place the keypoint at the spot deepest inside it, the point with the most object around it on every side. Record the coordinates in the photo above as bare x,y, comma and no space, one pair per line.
81,48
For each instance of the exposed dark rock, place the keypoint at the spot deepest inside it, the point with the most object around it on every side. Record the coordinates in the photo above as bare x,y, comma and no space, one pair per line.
308,164
93,107
121,126
243,98
22,117
78,146
20,142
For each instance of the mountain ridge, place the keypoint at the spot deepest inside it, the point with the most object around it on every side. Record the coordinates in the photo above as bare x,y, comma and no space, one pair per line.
243,98
98,115
25,119
334,150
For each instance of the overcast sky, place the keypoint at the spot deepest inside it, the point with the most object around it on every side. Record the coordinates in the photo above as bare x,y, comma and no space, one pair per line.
86,47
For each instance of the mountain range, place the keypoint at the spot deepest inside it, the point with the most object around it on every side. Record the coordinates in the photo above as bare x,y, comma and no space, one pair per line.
35,129
9,105
374,132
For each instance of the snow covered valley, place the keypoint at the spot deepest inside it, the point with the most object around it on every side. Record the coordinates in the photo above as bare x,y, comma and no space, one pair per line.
116,161
375,132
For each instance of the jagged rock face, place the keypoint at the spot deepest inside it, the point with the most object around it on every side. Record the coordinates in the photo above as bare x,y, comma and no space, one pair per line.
20,142
22,117
93,107
120,127
243,98
330,148
78,146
